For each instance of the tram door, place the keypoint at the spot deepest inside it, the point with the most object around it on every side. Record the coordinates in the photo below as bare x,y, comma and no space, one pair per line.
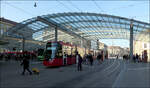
65,54
64,59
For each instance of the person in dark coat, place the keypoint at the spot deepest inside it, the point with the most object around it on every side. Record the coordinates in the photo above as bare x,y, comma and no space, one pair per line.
137,57
79,62
134,58
99,57
91,59
25,64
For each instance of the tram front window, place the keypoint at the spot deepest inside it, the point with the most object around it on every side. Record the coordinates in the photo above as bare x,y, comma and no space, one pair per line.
51,50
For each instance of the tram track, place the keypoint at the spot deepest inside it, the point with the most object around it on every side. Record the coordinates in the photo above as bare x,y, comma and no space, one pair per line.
95,80
109,74
84,77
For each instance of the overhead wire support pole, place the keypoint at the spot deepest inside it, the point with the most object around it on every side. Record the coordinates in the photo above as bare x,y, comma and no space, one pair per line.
131,40
56,33
23,44
97,44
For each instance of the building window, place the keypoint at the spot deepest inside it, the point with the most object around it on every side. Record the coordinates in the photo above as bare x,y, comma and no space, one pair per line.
148,45
145,45
2,31
7,28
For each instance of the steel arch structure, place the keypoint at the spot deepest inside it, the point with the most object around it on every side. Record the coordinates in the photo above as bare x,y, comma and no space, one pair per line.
84,25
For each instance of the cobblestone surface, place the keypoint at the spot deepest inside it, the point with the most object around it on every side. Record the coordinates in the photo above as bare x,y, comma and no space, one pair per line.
110,73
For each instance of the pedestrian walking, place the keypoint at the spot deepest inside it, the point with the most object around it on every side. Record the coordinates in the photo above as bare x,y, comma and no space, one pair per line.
99,56
137,57
25,64
116,56
140,59
79,59
91,59
134,58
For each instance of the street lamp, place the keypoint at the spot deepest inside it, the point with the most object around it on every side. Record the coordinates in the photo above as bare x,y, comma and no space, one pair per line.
35,4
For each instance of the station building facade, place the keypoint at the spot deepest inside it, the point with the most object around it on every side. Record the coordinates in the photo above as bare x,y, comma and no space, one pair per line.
13,42
5,24
142,45
114,51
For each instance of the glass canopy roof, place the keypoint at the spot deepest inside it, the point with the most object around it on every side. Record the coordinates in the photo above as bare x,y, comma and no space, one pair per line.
90,26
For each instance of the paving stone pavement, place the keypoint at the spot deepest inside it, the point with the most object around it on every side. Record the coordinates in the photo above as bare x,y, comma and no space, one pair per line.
109,74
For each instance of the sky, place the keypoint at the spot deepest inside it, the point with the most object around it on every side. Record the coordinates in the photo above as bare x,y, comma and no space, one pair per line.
20,10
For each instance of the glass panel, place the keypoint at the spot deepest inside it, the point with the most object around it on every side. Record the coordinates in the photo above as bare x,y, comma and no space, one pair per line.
112,20
99,18
74,19
94,17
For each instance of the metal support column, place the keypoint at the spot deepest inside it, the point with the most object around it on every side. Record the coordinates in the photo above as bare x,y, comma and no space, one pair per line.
56,34
97,44
81,41
23,44
131,40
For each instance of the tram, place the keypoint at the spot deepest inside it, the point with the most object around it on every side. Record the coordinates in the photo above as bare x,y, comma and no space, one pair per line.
59,54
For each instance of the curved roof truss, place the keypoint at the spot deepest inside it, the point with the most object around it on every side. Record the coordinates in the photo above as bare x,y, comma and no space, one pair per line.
85,25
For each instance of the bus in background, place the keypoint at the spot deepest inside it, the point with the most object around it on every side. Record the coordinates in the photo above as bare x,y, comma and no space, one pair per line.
59,54
40,54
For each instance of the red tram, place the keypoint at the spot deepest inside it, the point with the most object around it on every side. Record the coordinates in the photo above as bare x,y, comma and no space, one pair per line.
59,54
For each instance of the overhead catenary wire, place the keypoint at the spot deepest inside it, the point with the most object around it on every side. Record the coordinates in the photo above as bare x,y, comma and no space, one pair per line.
67,6
64,5
102,11
20,9
69,1
131,5
98,6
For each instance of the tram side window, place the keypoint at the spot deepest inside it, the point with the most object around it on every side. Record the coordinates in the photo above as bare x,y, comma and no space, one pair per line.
73,51
67,50
59,52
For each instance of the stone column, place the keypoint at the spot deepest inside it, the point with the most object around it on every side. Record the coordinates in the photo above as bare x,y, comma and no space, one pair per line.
56,34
